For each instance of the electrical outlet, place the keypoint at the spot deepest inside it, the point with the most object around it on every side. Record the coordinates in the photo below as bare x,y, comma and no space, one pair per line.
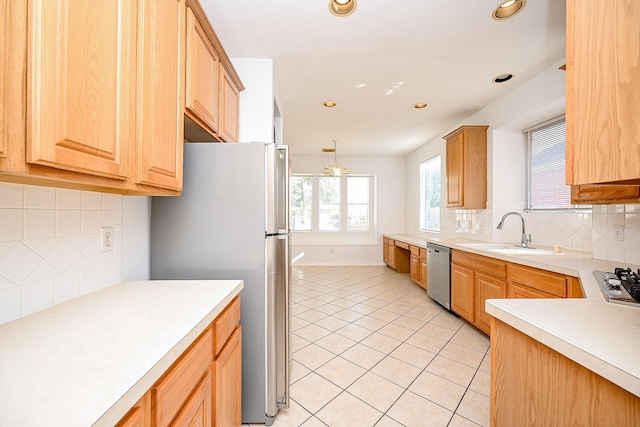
618,232
107,239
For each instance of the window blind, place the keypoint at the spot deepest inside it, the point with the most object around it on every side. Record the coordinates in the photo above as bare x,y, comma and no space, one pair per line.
546,166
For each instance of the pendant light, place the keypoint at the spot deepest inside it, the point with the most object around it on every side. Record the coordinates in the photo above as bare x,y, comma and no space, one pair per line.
334,169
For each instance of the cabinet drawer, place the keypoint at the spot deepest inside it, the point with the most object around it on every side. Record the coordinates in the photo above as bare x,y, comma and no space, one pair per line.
483,264
402,245
225,324
423,253
542,280
172,391
385,240
415,250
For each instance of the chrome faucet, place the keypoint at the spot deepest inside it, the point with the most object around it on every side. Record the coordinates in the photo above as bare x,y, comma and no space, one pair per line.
525,240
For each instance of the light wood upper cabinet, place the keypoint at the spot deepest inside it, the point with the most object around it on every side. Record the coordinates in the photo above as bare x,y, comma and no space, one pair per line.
604,194
229,107
466,167
81,77
203,66
161,93
212,84
603,93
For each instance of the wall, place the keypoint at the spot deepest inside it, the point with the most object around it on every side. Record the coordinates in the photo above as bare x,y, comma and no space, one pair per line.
534,101
258,100
389,214
50,247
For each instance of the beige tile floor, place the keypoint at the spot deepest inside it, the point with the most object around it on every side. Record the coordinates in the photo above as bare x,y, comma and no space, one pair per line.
370,348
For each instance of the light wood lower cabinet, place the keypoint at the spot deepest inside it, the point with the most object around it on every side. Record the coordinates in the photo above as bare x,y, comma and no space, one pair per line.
462,292
533,385
418,265
476,278
424,269
227,410
487,287
139,415
203,387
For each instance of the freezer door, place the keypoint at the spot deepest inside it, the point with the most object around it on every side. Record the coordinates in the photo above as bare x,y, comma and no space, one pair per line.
277,167
278,321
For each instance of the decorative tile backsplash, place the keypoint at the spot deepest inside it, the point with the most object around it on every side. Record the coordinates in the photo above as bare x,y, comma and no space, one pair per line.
50,246
605,218
588,232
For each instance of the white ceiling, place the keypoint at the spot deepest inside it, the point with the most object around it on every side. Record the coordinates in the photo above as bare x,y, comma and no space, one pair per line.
382,59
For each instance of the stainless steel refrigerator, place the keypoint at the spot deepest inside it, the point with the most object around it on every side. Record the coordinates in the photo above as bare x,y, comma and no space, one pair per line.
232,222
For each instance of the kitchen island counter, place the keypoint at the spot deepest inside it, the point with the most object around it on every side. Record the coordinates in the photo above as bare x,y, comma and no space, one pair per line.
87,361
598,335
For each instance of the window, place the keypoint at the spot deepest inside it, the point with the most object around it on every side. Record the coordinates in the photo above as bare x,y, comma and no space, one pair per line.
332,205
430,178
300,192
357,203
546,166
329,198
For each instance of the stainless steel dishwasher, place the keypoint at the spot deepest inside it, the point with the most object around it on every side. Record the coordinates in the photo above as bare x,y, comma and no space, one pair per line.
439,274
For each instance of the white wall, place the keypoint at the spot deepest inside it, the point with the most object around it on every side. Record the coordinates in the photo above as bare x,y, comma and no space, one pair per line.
257,100
135,237
389,214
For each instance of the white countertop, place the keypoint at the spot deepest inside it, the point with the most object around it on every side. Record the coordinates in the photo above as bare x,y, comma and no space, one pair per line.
87,361
601,336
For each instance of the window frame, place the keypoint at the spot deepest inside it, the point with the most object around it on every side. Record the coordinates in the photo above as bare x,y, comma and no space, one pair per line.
343,235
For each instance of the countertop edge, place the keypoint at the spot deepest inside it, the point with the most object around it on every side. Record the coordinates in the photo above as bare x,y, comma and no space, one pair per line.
572,263
126,402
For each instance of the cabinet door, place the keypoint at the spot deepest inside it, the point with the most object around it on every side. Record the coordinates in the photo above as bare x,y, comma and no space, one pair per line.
487,287
603,98
228,383
139,415
385,250
196,412
203,65
161,93
414,268
81,80
423,272
604,194
229,105
392,254
462,292
455,171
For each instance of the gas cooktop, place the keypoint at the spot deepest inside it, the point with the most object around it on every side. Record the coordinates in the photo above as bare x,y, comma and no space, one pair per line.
621,287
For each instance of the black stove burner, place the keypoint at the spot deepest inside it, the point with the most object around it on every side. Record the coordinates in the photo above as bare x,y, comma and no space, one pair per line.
630,280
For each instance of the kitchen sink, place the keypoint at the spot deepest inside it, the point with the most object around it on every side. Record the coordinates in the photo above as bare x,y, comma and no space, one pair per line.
507,249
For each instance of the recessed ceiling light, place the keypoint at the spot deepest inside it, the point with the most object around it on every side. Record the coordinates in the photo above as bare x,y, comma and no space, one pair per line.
329,104
420,105
507,9
502,78
342,7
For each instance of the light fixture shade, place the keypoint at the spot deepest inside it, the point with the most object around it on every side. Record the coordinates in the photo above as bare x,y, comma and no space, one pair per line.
342,7
334,169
